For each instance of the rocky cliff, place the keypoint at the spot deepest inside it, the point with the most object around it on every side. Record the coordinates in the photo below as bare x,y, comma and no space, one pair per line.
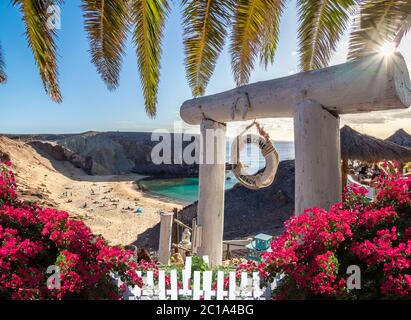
125,152
111,153
59,153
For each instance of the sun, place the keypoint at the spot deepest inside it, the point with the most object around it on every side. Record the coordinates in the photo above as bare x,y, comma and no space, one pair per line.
388,49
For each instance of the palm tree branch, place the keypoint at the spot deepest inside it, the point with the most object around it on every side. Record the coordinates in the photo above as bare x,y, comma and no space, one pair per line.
247,39
107,24
271,34
3,76
204,24
403,30
41,40
149,19
322,23
379,22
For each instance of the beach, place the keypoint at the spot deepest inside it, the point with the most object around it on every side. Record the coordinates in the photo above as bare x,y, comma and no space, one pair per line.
106,203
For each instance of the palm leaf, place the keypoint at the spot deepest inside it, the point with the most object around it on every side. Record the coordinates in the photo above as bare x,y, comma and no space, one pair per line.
322,23
3,77
249,34
149,18
379,22
41,39
205,28
403,30
271,33
107,23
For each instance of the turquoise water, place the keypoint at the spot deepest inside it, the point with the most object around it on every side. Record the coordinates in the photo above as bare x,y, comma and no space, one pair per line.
186,189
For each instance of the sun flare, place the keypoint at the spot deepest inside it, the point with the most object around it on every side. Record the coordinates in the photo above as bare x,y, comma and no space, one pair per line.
388,49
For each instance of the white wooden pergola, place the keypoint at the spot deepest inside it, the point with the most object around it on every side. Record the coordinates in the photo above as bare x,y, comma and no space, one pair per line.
315,100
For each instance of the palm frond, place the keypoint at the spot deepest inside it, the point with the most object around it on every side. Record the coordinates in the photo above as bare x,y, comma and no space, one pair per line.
149,18
403,30
248,34
107,24
322,23
41,39
379,22
205,29
3,77
271,33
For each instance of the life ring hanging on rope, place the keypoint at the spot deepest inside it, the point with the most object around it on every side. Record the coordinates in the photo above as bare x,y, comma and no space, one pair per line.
263,141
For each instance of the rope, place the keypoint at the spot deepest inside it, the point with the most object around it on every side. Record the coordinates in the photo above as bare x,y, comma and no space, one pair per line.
266,149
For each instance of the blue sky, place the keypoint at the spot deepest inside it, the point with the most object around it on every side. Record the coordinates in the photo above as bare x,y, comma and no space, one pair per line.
88,105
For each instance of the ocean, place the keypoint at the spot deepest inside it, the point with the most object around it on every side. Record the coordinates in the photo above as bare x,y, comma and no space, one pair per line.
185,190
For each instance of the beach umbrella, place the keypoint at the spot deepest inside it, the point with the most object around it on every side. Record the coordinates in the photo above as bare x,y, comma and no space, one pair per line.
401,137
139,211
365,148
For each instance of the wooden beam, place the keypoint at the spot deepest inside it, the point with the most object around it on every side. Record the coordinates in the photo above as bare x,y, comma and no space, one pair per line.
210,215
317,157
373,83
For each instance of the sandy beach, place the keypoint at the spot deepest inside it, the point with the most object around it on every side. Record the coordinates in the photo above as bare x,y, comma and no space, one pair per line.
107,204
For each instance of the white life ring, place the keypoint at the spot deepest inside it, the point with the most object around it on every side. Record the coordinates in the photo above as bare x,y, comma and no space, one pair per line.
262,179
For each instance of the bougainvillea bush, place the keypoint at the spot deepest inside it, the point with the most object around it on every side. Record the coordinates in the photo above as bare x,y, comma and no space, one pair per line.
32,239
318,247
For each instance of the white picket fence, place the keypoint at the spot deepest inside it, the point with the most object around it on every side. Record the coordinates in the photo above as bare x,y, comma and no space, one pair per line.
249,288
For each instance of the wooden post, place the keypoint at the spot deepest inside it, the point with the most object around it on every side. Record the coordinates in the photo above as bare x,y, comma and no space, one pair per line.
317,157
166,224
175,237
211,190
344,172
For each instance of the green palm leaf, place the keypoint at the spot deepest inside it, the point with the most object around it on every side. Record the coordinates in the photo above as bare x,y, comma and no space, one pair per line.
149,18
107,23
249,35
271,33
3,77
41,40
205,28
379,22
322,23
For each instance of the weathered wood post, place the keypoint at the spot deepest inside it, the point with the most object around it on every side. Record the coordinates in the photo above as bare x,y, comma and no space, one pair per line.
164,247
175,235
210,214
317,157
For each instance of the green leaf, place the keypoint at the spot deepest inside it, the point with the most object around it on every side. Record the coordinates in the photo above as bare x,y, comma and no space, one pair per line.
205,29
41,39
3,76
107,24
322,23
148,19
379,22
250,35
271,33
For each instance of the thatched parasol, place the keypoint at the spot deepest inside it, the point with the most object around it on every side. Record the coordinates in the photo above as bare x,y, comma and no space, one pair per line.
362,147
401,137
